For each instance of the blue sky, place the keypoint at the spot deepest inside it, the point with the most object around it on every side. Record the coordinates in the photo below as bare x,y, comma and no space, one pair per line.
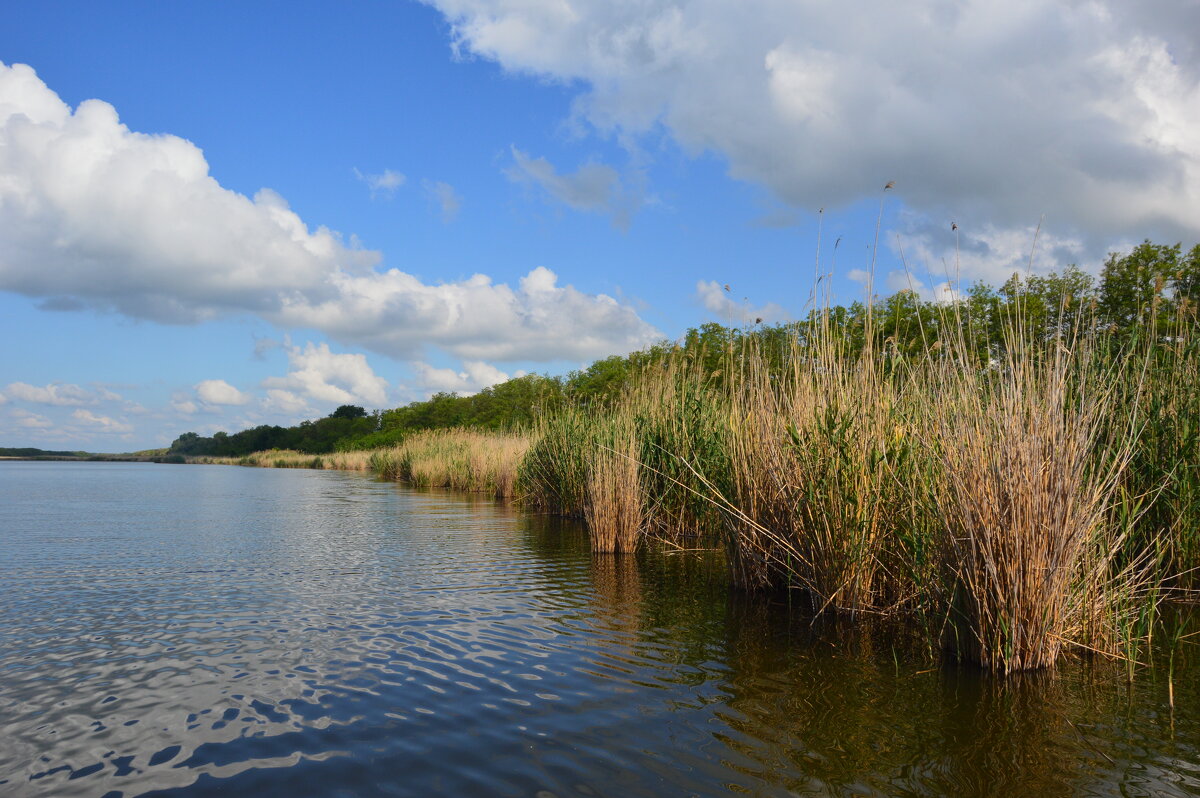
278,208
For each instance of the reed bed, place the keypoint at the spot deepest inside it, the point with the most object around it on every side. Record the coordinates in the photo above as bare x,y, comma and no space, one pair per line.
635,468
615,505
1025,493
821,484
1038,495
288,458
1019,504
470,460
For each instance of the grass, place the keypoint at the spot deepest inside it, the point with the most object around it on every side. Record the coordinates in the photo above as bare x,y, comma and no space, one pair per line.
483,462
288,458
1021,506
1037,500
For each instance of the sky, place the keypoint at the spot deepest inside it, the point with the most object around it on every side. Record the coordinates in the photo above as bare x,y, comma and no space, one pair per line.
217,215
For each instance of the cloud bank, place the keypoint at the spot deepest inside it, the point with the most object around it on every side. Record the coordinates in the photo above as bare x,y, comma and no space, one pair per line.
987,114
96,216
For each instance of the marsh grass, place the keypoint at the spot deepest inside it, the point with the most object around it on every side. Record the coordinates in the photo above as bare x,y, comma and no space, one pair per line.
615,505
289,458
818,455
1036,495
463,459
1017,504
1025,543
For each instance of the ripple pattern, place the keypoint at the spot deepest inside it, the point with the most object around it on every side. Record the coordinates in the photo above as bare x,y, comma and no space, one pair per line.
212,630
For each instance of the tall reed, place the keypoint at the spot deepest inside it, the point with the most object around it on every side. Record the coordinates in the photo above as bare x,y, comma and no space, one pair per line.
615,505
817,454
289,458
1025,497
472,460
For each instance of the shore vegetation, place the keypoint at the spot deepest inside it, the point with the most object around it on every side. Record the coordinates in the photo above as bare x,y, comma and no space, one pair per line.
1014,470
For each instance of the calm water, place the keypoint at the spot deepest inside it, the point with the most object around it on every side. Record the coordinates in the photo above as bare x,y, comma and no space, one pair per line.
195,630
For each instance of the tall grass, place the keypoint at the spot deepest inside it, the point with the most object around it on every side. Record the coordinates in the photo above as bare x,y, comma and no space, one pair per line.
1025,496
289,458
471,460
615,505
818,456
630,468
1019,503
1022,499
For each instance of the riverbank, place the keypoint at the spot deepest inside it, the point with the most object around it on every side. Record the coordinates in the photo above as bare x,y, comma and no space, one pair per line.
1037,501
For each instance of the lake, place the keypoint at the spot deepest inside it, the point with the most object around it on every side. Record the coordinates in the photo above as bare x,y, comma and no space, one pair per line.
204,630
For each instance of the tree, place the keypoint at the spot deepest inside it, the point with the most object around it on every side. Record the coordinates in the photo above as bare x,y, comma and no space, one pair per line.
1132,287
349,411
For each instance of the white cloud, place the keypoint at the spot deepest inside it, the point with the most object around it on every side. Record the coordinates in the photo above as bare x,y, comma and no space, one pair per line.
991,254
317,373
984,113
593,187
286,402
31,421
383,184
446,197
219,392
182,403
474,376
94,215
719,301
395,313
102,424
60,394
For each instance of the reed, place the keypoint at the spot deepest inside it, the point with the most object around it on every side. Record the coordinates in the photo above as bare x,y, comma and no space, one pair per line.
289,458
1027,495
463,459
818,454
615,504
1022,496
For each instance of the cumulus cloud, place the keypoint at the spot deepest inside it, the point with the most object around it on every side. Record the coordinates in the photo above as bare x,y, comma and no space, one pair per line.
94,215
317,373
395,313
474,376
280,401
103,424
719,301
383,184
219,392
593,187
986,113
446,197
59,394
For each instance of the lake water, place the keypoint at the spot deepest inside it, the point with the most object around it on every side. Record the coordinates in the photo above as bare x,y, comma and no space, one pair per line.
197,630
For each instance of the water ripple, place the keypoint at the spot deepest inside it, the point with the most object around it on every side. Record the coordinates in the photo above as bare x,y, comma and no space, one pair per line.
207,630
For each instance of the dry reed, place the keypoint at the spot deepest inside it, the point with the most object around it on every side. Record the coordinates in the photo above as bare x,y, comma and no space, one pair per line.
615,504
471,460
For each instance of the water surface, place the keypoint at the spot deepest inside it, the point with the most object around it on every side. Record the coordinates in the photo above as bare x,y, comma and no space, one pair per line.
196,630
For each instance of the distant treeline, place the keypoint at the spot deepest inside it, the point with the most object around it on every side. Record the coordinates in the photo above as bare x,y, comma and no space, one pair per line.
31,452
1153,288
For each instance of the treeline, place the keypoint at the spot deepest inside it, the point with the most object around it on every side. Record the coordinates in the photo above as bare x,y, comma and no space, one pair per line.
316,437
31,452
1153,288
